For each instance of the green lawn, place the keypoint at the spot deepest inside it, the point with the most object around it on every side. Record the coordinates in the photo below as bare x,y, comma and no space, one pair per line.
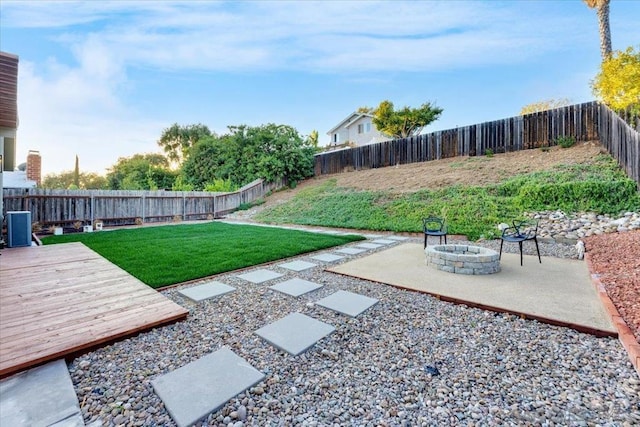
165,255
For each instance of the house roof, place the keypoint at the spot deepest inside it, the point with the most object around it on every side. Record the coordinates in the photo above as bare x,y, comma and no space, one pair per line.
16,179
348,121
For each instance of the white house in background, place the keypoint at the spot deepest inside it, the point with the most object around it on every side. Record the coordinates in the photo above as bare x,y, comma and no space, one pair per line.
356,128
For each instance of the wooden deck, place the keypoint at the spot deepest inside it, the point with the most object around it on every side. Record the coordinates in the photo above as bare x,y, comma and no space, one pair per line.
62,299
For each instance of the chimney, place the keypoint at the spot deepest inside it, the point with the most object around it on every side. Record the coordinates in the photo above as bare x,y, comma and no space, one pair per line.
34,167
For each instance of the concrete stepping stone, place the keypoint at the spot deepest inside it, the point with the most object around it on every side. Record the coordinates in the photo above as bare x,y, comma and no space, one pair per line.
398,238
350,251
384,241
41,396
260,276
369,246
295,287
298,265
206,291
295,333
372,236
327,257
347,303
205,385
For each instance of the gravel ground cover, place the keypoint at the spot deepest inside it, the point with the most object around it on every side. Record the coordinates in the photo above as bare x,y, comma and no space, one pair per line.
409,360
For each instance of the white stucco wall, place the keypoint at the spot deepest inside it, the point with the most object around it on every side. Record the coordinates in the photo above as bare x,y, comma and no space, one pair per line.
348,131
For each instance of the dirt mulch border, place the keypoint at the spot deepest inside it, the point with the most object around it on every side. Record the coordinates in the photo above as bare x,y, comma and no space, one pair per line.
625,335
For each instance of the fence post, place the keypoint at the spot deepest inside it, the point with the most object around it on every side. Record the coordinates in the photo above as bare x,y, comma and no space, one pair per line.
143,212
184,206
92,208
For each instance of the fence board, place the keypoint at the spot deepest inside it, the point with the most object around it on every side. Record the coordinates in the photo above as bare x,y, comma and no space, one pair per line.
51,207
585,122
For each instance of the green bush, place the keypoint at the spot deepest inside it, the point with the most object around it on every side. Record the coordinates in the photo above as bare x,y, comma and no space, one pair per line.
611,197
220,185
566,141
247,206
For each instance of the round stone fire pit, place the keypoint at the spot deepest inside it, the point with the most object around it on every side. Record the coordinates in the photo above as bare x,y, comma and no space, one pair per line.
463,259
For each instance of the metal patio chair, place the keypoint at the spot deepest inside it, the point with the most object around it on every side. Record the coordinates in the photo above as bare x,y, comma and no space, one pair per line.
434,226
520,232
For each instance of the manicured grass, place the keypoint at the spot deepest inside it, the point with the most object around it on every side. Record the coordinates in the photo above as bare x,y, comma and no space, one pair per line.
473,211
165,255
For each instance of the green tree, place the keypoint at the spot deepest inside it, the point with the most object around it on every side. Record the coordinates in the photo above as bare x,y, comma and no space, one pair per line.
548,104
247,153
602,11
210,159
271,151
618,82
76,173
86,181
405,122
141,172
176,141
313,138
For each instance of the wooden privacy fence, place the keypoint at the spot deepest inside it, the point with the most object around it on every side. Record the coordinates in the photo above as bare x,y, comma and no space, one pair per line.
123,207
621,140
584,122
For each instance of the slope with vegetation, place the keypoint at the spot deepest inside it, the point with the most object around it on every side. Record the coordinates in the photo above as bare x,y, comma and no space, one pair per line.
474,194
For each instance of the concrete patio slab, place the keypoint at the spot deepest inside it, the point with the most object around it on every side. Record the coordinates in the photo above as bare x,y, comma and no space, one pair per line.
296,287
347,303
398,238
558,291
327,257
206,291
295,333
298,265
260,276
368,246
41,396
350,251
384,241
203,386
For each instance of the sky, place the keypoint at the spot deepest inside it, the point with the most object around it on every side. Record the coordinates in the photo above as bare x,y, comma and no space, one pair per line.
103,79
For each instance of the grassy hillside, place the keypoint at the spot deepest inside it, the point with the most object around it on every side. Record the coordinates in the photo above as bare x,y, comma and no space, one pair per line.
473,210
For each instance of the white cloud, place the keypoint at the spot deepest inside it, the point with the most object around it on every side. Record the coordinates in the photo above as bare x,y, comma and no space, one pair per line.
81,107
76,111
310,36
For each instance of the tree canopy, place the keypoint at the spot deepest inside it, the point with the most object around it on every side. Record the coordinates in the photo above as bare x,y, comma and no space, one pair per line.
247,153
618,82
404,122
177,140
67,180
141,172
548,104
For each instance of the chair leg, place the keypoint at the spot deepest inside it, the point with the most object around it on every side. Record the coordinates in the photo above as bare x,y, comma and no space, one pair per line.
425,242
520,244
501,242
445,239
537,249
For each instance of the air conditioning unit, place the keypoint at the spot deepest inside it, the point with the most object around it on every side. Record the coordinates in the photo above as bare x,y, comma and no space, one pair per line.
18,229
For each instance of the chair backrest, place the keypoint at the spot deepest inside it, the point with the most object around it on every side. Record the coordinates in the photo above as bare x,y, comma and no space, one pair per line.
432,223
527,228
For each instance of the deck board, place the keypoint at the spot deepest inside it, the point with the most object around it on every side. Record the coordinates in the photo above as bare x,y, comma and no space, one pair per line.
59,300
